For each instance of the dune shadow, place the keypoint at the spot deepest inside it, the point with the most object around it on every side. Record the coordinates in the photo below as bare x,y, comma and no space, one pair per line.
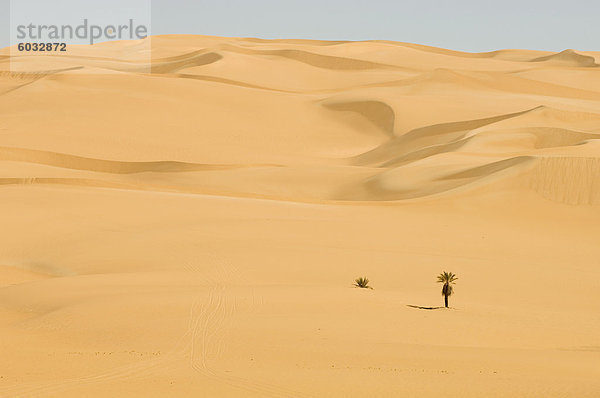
425,308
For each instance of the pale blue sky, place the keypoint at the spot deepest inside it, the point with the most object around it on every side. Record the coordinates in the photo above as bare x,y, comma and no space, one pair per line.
469,25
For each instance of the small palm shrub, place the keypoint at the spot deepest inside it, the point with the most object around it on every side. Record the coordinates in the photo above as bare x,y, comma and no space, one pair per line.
363,283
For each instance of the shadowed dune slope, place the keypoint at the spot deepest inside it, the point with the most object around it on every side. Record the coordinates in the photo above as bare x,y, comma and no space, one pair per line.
568,58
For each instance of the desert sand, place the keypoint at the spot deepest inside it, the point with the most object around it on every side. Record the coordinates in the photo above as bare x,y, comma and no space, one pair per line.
193,227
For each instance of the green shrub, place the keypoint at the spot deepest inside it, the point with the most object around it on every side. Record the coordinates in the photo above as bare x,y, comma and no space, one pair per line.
363,283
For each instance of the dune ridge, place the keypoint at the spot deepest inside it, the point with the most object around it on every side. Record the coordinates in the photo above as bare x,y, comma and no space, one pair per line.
105,166
568,58
313,59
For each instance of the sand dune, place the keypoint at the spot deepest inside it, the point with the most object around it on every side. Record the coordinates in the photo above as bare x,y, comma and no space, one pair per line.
568,58
192,226
379,113
311,58
189,60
